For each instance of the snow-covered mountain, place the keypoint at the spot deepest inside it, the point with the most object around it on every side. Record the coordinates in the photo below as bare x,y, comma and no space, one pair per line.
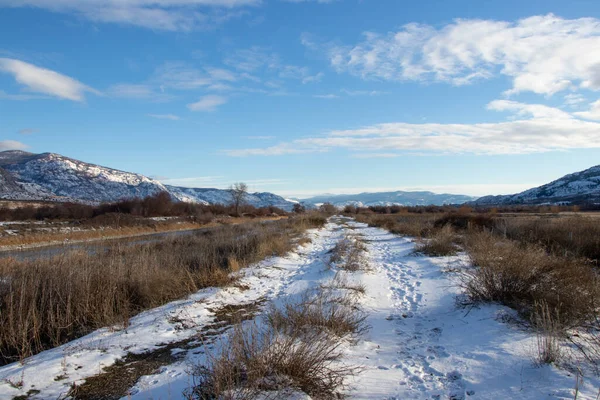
389,199
577,188
52,177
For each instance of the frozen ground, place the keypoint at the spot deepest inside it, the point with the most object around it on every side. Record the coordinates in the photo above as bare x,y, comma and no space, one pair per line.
420,344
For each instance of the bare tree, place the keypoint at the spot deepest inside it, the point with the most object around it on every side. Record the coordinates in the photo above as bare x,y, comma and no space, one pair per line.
238,191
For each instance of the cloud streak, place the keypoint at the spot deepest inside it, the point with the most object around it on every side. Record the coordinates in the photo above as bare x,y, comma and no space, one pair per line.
168,15
207,103
12,145
541,54
45,81
538,129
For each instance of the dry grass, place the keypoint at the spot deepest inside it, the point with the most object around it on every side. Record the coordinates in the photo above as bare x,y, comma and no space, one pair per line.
573,236
441,243
548,335
257,361
522,275
417,225
34,235
323,311
47,302
348,254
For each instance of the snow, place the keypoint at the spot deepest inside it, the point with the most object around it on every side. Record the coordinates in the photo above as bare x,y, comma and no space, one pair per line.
420,345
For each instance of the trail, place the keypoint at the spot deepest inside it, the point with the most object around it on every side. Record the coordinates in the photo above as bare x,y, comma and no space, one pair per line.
420,344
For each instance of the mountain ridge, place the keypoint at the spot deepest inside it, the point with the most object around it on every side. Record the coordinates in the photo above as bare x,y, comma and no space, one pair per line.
574,188
54,177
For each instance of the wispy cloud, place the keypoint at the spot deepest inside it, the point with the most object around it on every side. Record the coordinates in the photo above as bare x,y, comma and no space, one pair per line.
259,137
593,113
169,15
542,54
41,80
538,129
326,96
207,103
12,145
27,131
165,116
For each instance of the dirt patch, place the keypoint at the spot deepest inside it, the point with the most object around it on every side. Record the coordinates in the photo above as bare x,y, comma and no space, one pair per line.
117,380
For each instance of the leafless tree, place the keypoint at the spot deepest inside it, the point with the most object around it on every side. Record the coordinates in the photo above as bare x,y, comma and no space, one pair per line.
238,191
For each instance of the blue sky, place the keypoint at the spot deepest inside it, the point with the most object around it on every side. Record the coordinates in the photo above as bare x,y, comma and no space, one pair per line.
308,97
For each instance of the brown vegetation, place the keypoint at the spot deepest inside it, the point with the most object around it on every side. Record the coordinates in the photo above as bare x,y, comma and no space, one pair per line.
46,302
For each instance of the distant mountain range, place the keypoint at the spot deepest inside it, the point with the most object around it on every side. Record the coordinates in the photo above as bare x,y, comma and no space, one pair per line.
577,188
389,199
52,177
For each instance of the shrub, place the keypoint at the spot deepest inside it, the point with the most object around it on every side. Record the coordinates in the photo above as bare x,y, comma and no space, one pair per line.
46,302
521,275
255,361
337,315
441,243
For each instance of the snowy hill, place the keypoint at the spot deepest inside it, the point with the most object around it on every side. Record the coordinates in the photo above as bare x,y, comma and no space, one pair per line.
53,177
389,198
577,188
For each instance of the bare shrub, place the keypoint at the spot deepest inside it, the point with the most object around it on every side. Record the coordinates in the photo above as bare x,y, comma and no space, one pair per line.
337,315
255,361
348,254
441,243
521,275
576,236
47,302
417,225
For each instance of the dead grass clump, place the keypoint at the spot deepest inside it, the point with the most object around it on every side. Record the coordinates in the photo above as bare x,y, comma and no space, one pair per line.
337,315
47,302
348,254
522,275
255,361
548,334
441,243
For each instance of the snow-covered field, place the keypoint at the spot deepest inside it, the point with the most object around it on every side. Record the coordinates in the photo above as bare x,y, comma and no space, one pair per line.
420,345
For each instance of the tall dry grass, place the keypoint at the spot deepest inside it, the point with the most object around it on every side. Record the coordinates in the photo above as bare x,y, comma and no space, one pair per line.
576,236
47,302
521,275
417,225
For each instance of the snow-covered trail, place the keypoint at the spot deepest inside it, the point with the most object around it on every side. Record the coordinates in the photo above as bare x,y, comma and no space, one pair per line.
420,344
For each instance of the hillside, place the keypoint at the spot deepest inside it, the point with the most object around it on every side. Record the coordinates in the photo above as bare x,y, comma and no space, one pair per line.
53,177
390,198
577,188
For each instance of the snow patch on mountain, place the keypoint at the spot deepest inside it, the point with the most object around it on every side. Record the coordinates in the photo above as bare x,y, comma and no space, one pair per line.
53,177
402,198
576,188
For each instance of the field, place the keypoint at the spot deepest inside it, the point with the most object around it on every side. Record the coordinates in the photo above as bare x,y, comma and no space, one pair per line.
366,305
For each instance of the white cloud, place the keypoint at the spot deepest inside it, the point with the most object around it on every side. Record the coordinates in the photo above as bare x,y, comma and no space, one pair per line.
41,80
132,91
574,99
170,15
12,145
27,131
326,96
547,129
207,103
542,54
165,116
592,113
